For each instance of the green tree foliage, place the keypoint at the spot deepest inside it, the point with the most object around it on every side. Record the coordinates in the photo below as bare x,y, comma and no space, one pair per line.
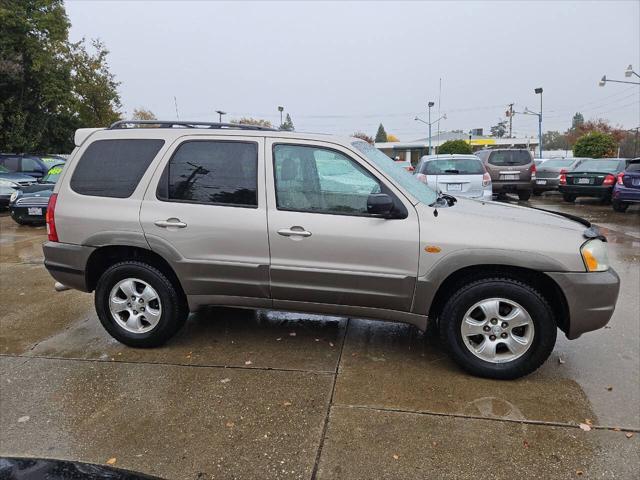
500,129
287,125
577,120
595,145
553,140
455,146
48,86
381,135
363,136
253,121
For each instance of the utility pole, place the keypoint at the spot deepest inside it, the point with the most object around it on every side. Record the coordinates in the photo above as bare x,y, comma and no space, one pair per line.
539,92
510,115
281,109
430,104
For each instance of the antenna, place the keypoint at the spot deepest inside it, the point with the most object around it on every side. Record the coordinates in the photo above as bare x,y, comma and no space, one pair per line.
175,102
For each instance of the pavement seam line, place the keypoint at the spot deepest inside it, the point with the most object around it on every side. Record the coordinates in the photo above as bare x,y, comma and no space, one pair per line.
171,364
494,419
325,426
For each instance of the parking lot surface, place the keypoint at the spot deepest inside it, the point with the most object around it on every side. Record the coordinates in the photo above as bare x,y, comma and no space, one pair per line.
243,394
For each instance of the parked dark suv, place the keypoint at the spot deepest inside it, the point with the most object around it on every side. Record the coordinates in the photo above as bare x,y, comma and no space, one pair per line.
512,170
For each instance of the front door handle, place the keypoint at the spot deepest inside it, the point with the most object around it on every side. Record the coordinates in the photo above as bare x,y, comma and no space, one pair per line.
170,222
294,232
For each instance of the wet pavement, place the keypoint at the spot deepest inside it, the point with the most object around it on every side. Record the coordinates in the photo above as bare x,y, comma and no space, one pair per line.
244,394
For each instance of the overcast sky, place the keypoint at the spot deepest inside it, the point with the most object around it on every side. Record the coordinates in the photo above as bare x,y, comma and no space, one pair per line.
341,67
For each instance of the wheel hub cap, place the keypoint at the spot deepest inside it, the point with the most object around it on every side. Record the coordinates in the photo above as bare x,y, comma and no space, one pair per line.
497,330
135,305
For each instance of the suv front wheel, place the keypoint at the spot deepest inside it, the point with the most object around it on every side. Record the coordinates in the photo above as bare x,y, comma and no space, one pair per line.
138,305
498,328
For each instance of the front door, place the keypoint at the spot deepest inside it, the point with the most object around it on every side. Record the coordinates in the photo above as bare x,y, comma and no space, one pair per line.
205,212
325,247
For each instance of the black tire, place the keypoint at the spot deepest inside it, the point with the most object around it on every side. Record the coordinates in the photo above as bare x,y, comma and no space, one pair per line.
568,197
619,206
530,299
524,195
174,308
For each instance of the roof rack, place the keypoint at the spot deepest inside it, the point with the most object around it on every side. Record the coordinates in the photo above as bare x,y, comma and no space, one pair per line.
121,124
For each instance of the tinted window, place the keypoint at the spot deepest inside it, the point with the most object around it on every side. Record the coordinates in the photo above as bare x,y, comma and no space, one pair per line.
452,166
602,165
510,157
313,179
561,162
633,167
113,168
11,163
212,172
31,165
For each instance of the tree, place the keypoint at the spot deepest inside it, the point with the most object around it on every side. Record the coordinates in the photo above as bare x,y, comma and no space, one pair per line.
553,140
392,138
595,145
455,146
363,136
577,120
287,125
381,135
143,114
50,86
500,129
253,121
597,125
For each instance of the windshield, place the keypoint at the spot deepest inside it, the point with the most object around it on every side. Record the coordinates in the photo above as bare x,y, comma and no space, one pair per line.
53,174
510,157
560,162
452,166
601,165
406,180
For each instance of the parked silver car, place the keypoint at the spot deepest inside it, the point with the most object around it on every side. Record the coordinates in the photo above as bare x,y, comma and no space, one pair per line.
162,221
457,175
549,172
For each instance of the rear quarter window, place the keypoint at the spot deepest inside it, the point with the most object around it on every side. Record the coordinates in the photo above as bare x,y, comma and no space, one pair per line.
634,167
113,168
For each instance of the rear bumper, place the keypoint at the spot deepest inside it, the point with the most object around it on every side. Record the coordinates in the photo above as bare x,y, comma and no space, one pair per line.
586,191
626,194
67,263
501,187
550,184
591,298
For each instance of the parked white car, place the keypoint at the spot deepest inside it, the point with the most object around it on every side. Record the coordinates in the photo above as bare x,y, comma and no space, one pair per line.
457,175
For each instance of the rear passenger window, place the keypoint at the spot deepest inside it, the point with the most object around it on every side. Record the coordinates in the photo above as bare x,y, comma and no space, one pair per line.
113,168
212,172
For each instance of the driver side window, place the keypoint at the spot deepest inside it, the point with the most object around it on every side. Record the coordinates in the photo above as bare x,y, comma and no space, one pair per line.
314,179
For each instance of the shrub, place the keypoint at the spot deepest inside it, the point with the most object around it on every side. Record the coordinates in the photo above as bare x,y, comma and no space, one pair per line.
595,145
455,146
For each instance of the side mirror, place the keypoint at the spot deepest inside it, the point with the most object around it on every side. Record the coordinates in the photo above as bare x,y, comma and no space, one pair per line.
379,204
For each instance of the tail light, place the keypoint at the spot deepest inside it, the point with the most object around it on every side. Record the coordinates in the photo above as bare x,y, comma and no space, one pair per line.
51,218
486,179
609,180
620,179
563,176
422,177
533,171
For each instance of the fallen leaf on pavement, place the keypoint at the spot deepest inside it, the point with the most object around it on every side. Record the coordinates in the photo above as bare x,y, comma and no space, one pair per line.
23,419
330,344
286,404
434,444
585,427
292,334
628,434
248,362
616,429
230,424
579,472
525,444
396,457
278,339
588,421
225,380
111,461
609,387
560,360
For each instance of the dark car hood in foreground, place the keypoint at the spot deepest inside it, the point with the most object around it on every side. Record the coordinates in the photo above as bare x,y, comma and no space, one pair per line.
40,469
16,177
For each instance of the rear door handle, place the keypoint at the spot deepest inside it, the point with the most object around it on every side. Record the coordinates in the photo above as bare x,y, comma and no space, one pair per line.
170,222
294,232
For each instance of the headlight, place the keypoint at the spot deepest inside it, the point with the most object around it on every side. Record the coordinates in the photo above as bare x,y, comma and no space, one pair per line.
595,256
8,183
14,195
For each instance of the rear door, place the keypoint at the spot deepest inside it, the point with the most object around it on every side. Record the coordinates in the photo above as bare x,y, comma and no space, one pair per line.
205,212
325,247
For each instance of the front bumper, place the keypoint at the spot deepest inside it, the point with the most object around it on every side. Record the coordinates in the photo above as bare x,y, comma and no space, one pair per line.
67,263
22,214
591,298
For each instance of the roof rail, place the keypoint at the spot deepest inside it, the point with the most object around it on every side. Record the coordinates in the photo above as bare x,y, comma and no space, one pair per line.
184,124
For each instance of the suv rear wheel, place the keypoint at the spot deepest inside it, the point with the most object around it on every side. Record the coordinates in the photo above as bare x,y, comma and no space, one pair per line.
619,206
138,305
498,328
524,195
568,197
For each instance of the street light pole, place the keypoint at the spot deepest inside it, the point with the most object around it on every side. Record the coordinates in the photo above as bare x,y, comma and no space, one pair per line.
539,91
280,109
220,113
430,104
